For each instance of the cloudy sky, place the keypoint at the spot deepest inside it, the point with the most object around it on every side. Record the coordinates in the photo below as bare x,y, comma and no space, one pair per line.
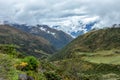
60,12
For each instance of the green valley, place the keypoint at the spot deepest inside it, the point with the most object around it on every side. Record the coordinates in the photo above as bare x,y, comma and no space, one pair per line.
59,39
92,56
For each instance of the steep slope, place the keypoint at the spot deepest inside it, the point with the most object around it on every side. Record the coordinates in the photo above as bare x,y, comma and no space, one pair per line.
57,38
28,44
96,40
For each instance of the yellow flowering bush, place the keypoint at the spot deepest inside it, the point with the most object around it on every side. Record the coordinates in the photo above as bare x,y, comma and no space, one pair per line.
21,65
28,63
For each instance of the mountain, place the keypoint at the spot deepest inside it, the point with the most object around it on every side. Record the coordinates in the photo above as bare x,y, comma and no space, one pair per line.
76,28
93,41
27,44
92,56
72,27
57,38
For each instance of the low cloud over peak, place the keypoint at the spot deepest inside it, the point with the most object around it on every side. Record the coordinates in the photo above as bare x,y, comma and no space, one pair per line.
55,12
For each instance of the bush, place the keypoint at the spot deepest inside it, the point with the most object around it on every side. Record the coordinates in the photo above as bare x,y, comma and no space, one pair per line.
28,63
52,76
8,49
32,63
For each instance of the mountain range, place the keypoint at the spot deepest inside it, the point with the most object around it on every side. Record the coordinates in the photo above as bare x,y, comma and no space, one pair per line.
94,55
56,37
73,28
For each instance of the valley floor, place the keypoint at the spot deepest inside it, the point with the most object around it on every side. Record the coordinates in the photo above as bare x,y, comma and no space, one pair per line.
101,65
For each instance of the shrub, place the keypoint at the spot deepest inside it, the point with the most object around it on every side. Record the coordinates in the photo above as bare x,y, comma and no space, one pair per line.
36,75
52,76
8,49
30,63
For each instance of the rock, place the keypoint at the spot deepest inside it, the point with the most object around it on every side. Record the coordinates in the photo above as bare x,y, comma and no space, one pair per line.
30,78
1,79
22,77
25,77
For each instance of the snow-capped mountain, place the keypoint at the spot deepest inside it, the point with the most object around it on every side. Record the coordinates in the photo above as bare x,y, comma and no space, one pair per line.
75,28
57,38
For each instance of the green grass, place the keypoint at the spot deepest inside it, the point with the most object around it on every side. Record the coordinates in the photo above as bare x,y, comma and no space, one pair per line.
106,60
7,70
77,68
106,56
96,40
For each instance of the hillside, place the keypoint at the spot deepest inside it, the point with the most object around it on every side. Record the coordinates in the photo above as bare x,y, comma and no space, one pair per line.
92,56
13,67
72,63
56,37
93,41
27,43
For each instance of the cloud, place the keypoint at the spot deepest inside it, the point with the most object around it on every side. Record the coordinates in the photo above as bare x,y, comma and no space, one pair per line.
53,12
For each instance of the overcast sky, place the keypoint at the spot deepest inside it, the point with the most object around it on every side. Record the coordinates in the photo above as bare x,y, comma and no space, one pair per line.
52,12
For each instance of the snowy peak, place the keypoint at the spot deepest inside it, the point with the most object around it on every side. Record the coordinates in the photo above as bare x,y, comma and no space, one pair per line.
42,28
75,28
57,38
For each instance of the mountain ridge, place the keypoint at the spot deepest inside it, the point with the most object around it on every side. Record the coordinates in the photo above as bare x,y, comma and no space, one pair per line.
57,38
95,40
29,44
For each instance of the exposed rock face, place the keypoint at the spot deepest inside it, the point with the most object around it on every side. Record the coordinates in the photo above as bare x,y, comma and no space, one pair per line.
25,77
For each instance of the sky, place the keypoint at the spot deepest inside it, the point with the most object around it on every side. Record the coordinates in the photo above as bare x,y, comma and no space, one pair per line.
61,12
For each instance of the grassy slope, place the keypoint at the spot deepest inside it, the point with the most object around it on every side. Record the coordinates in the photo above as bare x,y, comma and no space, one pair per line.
104,39
27,43
107,57
93,56
77,69
7,70
101,65
11,65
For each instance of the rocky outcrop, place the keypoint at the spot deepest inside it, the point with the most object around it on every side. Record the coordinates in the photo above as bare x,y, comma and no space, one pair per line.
25,77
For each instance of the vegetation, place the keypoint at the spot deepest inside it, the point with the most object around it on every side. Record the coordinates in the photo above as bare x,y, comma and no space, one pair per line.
30,63
52,76
93,41
26,43
7,70
8,49
93,56
11,66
